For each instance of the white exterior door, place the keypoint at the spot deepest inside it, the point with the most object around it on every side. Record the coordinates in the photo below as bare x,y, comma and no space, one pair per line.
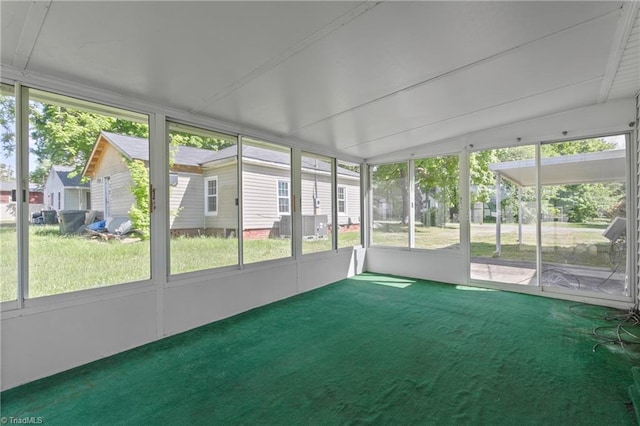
107,197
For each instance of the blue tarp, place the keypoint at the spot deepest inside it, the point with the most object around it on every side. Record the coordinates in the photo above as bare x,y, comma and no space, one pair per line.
98,226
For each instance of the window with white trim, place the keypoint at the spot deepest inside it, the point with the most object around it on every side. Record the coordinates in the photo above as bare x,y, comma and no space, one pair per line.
266,201
342,199
212,183
283,197
211,196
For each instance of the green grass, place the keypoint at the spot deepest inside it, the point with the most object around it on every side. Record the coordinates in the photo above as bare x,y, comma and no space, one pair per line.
61,264
65,263
267,249
197,253
559,241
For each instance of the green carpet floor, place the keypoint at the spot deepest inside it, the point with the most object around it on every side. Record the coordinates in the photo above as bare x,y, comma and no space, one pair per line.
368,350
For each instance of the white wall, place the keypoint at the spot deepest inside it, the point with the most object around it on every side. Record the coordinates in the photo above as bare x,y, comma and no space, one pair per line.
54,334
438,265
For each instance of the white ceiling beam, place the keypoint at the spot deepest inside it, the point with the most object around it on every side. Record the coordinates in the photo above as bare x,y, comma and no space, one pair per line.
629,12
30,32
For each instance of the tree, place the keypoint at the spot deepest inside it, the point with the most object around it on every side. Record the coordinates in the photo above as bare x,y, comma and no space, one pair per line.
391,180
66,136
7,122
587,201
6,173
139,211
438,178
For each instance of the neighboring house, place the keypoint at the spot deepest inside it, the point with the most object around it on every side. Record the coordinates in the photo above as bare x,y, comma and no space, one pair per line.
65,190
203,188
8,198
8,193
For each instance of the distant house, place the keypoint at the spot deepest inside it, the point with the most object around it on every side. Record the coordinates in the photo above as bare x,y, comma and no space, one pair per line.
65,190
8,193
9,197
203,194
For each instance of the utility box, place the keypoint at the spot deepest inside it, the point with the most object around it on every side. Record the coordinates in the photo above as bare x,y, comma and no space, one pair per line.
49,217
314,226
71,220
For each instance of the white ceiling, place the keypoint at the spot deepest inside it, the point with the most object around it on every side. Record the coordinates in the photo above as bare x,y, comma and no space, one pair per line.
361,78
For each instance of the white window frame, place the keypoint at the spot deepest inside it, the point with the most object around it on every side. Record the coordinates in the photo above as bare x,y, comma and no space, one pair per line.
288,197
344,200
208,212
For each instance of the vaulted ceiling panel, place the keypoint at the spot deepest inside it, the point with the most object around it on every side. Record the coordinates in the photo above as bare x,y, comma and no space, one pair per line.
553,63
441,131
627,78
390,48
174,53
13,17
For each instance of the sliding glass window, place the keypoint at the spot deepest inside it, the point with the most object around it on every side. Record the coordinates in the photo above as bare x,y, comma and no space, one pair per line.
390,209
89,199
437,203
8,196
584,215
267,202
348,204
203,199
503,213
316,203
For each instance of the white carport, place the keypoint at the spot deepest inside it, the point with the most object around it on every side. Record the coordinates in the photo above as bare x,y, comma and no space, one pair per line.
593,167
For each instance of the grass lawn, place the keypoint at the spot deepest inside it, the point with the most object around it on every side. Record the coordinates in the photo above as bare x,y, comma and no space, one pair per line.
561,242
61,264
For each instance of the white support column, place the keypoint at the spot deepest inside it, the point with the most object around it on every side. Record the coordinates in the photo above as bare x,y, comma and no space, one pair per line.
365,206
412,204
22,189
159,211
464,211
296,197
240,232
539,220
334,204
498,215
519,216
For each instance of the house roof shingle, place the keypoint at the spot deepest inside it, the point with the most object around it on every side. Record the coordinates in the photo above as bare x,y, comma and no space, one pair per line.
138,149
63,173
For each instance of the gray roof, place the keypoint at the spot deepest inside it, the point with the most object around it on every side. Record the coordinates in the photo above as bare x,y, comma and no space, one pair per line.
63,173
138,149
276,157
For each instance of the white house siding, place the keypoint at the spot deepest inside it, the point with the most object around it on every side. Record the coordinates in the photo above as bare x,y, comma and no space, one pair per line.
227,215
260,195
113,166
121,197
52,187
74,199
324,194
186,202
352,215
